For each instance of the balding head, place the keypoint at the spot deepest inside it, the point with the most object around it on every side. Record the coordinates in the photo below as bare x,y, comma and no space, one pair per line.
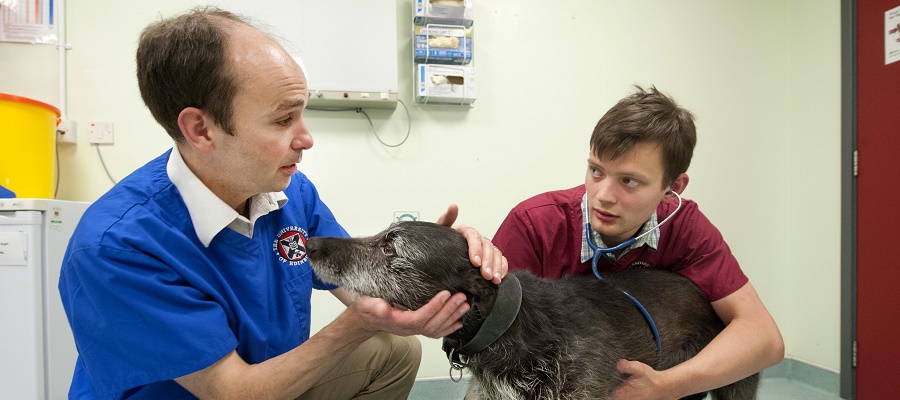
183,62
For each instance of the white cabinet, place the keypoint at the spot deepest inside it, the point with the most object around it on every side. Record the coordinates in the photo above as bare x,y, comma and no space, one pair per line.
37,352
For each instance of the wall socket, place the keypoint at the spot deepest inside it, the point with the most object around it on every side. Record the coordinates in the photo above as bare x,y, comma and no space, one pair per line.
67,131
100,132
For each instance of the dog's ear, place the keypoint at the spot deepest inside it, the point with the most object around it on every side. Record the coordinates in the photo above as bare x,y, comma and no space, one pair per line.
447,254
440,257
478,288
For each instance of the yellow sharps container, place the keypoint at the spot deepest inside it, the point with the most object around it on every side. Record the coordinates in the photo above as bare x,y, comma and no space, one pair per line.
28,146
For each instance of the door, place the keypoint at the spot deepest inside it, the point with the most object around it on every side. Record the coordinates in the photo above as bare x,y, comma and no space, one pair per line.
878,190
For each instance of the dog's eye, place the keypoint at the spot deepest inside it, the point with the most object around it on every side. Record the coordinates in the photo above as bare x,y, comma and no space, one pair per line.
387,249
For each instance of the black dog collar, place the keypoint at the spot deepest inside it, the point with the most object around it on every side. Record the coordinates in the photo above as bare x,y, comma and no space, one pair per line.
506,308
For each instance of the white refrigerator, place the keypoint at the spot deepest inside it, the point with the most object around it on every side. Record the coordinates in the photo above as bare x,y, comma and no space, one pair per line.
37,352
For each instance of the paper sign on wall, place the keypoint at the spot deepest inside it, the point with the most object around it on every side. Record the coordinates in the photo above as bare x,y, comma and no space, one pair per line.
29,21
892,35
12,248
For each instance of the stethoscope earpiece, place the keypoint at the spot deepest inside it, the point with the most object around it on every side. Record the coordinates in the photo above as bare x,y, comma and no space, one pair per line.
600,251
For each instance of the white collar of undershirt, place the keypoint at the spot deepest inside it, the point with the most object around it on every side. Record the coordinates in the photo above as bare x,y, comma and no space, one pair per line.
209,214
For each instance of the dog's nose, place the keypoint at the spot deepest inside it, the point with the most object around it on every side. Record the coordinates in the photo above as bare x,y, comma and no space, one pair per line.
312,246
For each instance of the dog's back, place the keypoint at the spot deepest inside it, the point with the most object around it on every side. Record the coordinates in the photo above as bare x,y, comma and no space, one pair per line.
571,332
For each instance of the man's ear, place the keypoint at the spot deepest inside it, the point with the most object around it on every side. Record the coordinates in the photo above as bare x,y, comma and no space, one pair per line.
678,186
195,127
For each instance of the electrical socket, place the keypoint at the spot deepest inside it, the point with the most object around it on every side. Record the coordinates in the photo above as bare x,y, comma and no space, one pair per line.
100,132
67,131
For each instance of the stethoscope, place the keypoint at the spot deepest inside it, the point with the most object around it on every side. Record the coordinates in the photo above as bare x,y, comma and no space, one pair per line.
598,252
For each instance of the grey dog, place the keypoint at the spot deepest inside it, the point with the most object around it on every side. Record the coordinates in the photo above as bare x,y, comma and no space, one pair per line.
560,339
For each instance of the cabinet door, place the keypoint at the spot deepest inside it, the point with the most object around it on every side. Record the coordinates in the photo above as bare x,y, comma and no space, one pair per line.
21,335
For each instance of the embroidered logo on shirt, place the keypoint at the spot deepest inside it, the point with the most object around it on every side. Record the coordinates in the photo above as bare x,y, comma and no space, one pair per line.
639,264
291,245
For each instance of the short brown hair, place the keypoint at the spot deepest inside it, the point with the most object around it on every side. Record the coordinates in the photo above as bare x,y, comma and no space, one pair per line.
183,62
648,116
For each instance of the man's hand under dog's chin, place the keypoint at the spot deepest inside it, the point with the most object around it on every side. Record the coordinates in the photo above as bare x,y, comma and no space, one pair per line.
437,318
482,252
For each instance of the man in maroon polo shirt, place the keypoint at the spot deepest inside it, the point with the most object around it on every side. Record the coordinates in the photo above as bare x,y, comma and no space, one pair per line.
640,151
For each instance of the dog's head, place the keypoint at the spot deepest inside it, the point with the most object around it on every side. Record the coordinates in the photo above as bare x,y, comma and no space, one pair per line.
406,264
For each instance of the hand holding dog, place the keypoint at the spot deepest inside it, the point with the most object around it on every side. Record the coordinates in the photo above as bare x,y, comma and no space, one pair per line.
440,316
643,383
436,319
482,252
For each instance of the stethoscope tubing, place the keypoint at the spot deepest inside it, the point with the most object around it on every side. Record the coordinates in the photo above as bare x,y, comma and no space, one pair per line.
598,252
601,251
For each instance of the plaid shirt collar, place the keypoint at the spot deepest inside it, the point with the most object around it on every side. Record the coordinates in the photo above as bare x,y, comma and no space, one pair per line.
651,240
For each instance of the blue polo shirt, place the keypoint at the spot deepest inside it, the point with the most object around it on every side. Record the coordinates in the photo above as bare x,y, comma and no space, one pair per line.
149,301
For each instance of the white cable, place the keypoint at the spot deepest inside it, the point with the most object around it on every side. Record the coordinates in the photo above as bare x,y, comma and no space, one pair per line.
56,144
408,126
371,125
63,88
97,146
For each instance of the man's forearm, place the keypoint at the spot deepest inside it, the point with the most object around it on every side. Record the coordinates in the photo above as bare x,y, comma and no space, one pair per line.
749,343
286,376
742,349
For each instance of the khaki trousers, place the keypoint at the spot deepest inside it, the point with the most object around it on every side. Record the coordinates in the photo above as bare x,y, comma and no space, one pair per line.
383,367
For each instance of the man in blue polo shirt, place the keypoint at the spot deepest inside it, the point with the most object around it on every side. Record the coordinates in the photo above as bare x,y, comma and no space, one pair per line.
190,278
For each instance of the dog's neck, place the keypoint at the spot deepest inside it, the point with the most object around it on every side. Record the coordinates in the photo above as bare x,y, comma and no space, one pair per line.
503,312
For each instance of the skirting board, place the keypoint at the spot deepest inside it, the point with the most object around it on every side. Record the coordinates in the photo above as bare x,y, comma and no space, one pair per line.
812,375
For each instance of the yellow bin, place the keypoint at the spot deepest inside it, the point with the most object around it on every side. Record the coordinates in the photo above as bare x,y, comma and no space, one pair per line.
28,146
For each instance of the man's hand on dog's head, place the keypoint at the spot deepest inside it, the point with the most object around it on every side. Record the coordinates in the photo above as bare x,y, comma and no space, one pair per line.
482,253
449,217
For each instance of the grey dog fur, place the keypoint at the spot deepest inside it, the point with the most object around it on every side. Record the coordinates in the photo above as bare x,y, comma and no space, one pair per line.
569,333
